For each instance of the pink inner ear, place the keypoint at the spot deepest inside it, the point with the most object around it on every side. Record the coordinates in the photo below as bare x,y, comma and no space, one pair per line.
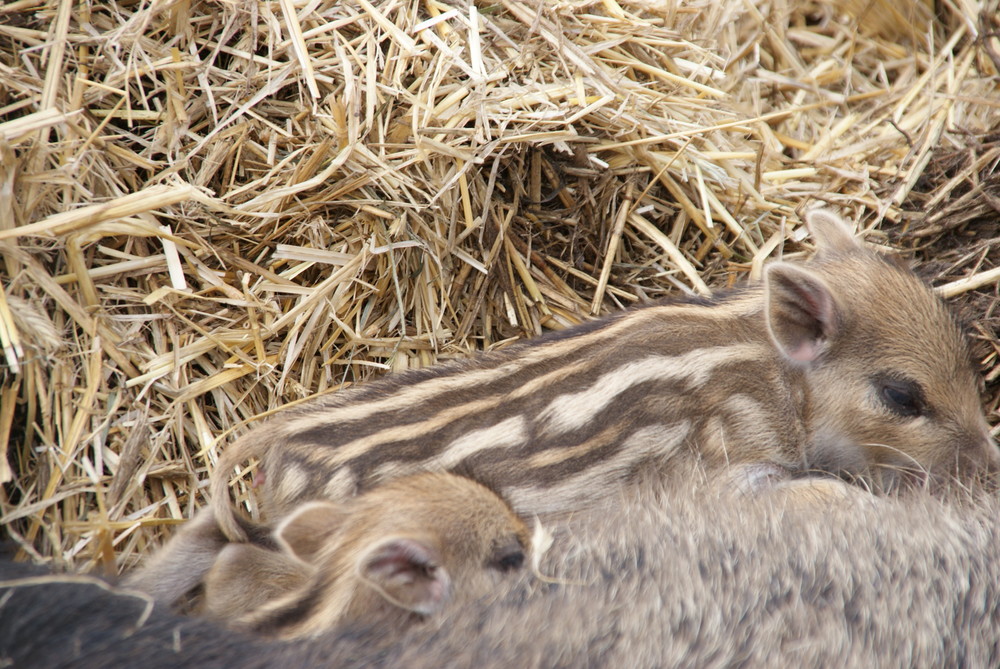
805,352
408,574
801,312
401,558
820,306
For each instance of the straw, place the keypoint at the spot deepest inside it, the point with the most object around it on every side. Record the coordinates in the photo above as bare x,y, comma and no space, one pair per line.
208,212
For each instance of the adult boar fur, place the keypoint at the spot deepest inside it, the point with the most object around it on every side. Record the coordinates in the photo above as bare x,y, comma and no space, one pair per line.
866,583
709,582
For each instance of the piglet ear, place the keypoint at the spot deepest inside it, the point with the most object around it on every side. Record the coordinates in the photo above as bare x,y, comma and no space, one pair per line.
408,573
831,233
310,527
802,316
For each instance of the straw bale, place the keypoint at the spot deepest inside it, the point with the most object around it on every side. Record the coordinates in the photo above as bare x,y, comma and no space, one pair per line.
209,210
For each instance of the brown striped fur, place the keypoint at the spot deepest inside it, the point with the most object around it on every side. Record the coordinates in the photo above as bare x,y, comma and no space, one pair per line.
394,555
847,364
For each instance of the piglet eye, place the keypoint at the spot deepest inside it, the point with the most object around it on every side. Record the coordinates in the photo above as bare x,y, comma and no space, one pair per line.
509,560
901,396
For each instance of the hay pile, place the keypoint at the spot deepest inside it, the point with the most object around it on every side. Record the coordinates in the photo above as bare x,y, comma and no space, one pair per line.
209,210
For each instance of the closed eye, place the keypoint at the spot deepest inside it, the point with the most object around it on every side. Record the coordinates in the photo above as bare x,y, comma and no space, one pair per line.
509,560
904,397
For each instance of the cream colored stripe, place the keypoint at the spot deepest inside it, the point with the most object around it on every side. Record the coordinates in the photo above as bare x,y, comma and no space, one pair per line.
411,431
554,456
341,486
574,410
292,482
566,412
423,391
598,480
505,434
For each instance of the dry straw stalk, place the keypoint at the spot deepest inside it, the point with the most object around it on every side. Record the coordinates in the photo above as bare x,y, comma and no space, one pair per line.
209,210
